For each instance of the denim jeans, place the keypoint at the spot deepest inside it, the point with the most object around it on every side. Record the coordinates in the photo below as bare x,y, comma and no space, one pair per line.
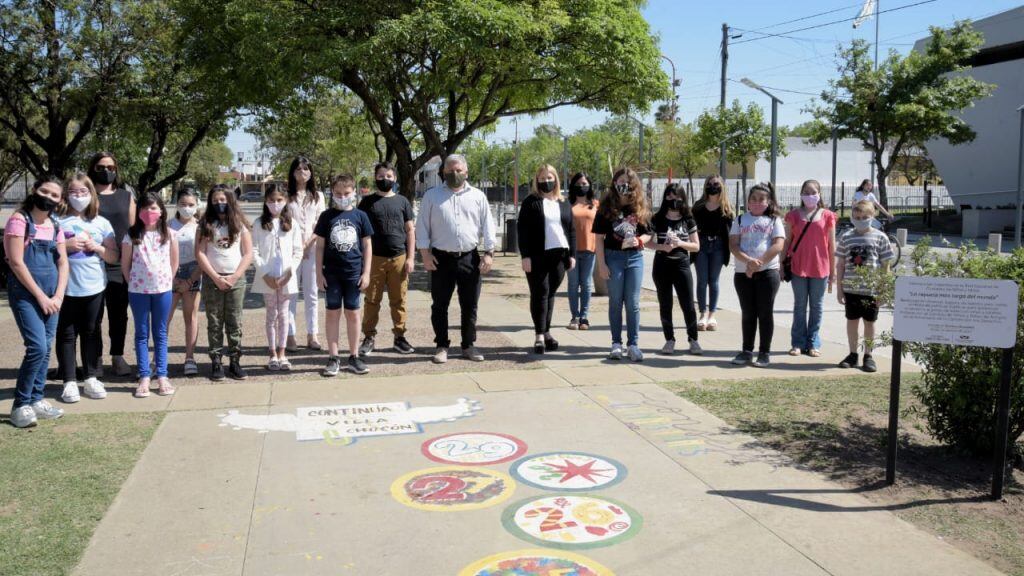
151,311
710,260
581,284
627,272
38,331
805,333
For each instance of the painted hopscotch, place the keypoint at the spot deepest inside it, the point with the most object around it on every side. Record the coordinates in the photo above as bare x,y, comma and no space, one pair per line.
474,448
451,489
342,424
576,521
535,563
568,471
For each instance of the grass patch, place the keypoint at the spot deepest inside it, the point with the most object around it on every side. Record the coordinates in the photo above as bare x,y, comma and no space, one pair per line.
56,482
838,427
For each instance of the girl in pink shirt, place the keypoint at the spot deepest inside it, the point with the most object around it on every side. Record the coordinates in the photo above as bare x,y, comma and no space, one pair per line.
811,247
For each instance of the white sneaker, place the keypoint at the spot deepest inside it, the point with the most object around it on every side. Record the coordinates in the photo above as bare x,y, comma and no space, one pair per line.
23,417
46,411
669,348
120,366
70,394
695,348
635,354
616,353
94,389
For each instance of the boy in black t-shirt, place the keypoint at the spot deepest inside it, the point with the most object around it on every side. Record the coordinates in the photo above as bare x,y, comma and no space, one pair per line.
394,245
343,247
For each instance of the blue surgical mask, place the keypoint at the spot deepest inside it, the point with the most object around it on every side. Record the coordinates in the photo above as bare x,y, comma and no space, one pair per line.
344,202
221,208
861,224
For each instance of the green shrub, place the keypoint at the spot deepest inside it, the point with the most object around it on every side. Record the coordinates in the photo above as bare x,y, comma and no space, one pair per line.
960,384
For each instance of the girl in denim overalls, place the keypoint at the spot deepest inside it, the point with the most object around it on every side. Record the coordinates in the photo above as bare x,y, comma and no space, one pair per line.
36,283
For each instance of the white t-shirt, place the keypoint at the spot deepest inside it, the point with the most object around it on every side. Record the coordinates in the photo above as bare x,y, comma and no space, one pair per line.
756,234
186,235
224,257
861,195
554,235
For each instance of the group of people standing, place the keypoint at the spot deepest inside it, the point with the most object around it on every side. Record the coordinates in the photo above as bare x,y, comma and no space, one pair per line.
84,245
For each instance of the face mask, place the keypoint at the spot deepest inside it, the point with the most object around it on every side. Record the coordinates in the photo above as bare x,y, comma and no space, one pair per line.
149,217
674,204
454,180
187,211
623,189
344,202
43,203
104,176
275,207
221,209
757,208
861,224
546,186
80,203
385,184
582,190
811,201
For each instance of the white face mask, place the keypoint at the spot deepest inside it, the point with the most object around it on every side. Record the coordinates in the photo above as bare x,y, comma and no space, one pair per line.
275,207
80,203
344,202
187,211
861,224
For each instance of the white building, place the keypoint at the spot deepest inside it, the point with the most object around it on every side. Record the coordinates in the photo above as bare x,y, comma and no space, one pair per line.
806,161
983,173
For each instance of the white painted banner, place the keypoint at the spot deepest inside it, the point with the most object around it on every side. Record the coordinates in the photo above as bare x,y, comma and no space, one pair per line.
956,311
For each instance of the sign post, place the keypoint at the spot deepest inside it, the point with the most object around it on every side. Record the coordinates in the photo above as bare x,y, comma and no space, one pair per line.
956,312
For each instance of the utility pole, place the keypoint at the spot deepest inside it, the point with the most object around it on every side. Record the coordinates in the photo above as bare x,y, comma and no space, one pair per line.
725,65
874,153
835,150
565,161
515,181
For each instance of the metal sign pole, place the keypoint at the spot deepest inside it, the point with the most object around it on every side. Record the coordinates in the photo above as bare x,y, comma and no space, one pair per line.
1002,426
894,412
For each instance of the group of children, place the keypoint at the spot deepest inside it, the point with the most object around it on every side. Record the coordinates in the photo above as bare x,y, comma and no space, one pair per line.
59,272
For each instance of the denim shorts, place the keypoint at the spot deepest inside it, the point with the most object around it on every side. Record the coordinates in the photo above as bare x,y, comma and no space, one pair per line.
342,290
185,272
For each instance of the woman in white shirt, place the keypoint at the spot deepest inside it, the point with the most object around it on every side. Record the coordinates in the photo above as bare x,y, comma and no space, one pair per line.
305,205
277,251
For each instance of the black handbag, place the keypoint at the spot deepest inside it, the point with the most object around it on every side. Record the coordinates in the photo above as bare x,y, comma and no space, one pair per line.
787,262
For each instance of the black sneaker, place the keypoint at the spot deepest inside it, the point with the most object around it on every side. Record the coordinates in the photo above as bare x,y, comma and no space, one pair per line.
366,348
356,365
850,361
402,346
743,358
216,370
235,370
332,368
763,360
869,364
584,324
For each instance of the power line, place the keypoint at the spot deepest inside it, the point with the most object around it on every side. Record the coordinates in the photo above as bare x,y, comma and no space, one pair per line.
778,89
801,19
784,34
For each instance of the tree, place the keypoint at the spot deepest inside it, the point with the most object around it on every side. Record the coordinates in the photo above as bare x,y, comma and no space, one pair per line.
440,71
205,163
914,164
746,135
681,148
908,99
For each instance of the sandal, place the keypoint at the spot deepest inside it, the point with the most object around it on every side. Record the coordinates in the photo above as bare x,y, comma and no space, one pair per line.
165,388
142,390
814,353
701,325
284,364
273,365
712,325
794,351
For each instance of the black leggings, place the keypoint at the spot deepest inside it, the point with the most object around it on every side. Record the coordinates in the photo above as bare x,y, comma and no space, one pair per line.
80,319
116,296
675,275
546,274
757,302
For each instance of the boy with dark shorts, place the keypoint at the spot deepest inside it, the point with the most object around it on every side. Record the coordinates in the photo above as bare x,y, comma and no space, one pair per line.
343,249
865,248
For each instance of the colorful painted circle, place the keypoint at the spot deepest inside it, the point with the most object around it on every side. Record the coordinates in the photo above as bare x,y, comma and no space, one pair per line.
535,563
568,471
474,448
452,488
576,521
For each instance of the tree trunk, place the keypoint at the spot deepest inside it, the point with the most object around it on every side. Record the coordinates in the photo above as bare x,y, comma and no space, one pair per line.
883,173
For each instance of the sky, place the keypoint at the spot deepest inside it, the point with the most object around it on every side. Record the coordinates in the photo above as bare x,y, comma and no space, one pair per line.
690,33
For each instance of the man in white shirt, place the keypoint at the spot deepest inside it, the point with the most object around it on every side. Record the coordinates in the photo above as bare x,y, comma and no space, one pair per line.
454,219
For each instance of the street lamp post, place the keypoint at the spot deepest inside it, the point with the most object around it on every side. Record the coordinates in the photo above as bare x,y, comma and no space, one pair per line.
1020,179
775,121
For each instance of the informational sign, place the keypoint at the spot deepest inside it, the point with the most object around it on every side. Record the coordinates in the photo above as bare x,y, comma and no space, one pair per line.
956,311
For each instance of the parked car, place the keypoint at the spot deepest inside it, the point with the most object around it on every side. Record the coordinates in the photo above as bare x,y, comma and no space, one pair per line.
252,196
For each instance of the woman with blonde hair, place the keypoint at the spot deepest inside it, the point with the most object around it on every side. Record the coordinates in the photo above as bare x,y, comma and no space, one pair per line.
714,215
622,226
547,245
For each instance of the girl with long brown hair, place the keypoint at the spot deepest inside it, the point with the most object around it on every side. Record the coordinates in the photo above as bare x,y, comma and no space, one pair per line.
714,215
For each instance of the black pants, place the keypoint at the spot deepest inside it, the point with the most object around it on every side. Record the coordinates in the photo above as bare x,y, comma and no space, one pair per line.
116,297
757,302
545,276
80,319
455,272
675,275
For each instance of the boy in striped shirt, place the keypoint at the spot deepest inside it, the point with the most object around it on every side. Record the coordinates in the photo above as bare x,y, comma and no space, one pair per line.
862,247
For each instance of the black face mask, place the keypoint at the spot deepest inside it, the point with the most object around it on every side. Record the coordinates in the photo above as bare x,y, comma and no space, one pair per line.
674,204
43,203
221,208
385,184
104,176
578,190
546,186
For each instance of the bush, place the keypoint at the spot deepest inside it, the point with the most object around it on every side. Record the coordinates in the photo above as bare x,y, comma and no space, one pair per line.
960,384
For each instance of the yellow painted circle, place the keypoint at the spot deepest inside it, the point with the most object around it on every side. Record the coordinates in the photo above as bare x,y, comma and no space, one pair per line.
539,562
453,488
